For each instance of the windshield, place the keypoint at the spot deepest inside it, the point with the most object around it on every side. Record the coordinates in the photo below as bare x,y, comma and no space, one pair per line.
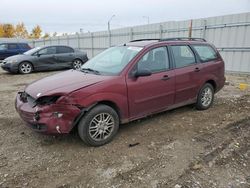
33,50
111,61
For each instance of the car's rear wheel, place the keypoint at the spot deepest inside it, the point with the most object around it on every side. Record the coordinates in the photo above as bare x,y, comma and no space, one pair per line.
98,126
205,97
25,68
77,63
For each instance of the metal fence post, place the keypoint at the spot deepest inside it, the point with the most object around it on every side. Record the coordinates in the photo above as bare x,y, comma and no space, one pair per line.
109,36
204,28
160,32
78,40
92,44
67,40
131,34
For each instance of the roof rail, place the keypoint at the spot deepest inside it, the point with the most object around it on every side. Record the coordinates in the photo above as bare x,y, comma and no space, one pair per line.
184,38
138,40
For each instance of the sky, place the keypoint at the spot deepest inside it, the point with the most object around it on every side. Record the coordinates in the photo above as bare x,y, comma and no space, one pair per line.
69,16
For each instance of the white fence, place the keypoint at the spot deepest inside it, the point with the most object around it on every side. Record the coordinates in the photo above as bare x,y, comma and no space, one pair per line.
229,33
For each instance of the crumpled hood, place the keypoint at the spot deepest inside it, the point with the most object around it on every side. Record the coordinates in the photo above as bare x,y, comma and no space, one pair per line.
63,83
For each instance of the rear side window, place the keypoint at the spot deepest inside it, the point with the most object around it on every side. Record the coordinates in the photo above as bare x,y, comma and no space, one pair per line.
183,56
155,60
206,53
24,46
64,49
12,46
48,51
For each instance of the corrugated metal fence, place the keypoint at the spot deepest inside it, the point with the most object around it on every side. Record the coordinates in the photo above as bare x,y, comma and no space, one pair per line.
229,33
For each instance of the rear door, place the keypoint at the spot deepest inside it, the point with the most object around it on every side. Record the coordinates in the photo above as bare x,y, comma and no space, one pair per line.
152,93
64,56
23,47
187,73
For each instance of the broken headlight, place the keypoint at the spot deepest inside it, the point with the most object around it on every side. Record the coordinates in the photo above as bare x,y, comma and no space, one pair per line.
46,100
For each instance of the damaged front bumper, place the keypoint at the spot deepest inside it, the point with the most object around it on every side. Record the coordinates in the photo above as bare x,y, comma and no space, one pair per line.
48,119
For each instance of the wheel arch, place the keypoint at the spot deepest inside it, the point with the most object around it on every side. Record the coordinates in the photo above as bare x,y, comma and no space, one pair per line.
112,105
105,102
213,83
77,58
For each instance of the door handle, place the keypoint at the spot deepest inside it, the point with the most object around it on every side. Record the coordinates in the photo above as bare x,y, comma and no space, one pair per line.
165,77
196,69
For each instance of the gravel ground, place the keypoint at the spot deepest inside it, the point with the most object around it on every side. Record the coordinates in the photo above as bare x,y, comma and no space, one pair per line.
180,148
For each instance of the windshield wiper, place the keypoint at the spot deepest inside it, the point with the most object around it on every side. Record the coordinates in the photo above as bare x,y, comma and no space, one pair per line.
90,70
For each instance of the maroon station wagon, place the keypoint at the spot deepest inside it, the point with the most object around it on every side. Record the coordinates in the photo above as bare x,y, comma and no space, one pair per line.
122,84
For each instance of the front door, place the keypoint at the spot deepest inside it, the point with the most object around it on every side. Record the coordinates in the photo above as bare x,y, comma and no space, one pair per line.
46,59
152,93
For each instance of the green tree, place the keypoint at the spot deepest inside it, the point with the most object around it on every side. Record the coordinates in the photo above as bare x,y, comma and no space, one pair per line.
36,32
21,31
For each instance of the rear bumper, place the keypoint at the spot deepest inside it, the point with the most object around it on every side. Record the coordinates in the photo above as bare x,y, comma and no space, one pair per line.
220,84
45,119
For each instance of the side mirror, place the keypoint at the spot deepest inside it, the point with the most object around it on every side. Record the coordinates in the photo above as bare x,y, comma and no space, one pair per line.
38,54
142,72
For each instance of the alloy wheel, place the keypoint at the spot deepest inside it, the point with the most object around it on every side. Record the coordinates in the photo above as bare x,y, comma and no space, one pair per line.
101,126
206,96
26,68
77,64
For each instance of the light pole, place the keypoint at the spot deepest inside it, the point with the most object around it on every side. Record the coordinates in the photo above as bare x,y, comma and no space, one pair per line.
146,17
109,32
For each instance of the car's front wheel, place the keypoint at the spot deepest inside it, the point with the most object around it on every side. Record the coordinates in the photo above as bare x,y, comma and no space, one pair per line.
205,97
25,68
99,125
77,63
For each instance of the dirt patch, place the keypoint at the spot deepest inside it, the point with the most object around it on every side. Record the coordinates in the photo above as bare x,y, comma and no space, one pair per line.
179,148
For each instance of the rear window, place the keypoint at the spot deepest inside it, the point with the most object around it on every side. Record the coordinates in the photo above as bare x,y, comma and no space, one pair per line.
24,46
64,49
206,53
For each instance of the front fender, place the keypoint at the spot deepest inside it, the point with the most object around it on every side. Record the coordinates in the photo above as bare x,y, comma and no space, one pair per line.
119,100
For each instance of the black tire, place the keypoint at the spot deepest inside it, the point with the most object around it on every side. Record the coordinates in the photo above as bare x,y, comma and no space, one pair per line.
87,121
76,64
204,101
25,67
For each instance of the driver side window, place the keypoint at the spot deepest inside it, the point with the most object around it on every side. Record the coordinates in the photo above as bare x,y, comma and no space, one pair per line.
156,60
48,51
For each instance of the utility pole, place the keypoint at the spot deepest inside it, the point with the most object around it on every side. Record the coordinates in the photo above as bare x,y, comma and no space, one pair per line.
190,29
109,32
146,17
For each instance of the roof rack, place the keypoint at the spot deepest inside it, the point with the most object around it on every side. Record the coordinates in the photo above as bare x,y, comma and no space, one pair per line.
138,40
184,39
